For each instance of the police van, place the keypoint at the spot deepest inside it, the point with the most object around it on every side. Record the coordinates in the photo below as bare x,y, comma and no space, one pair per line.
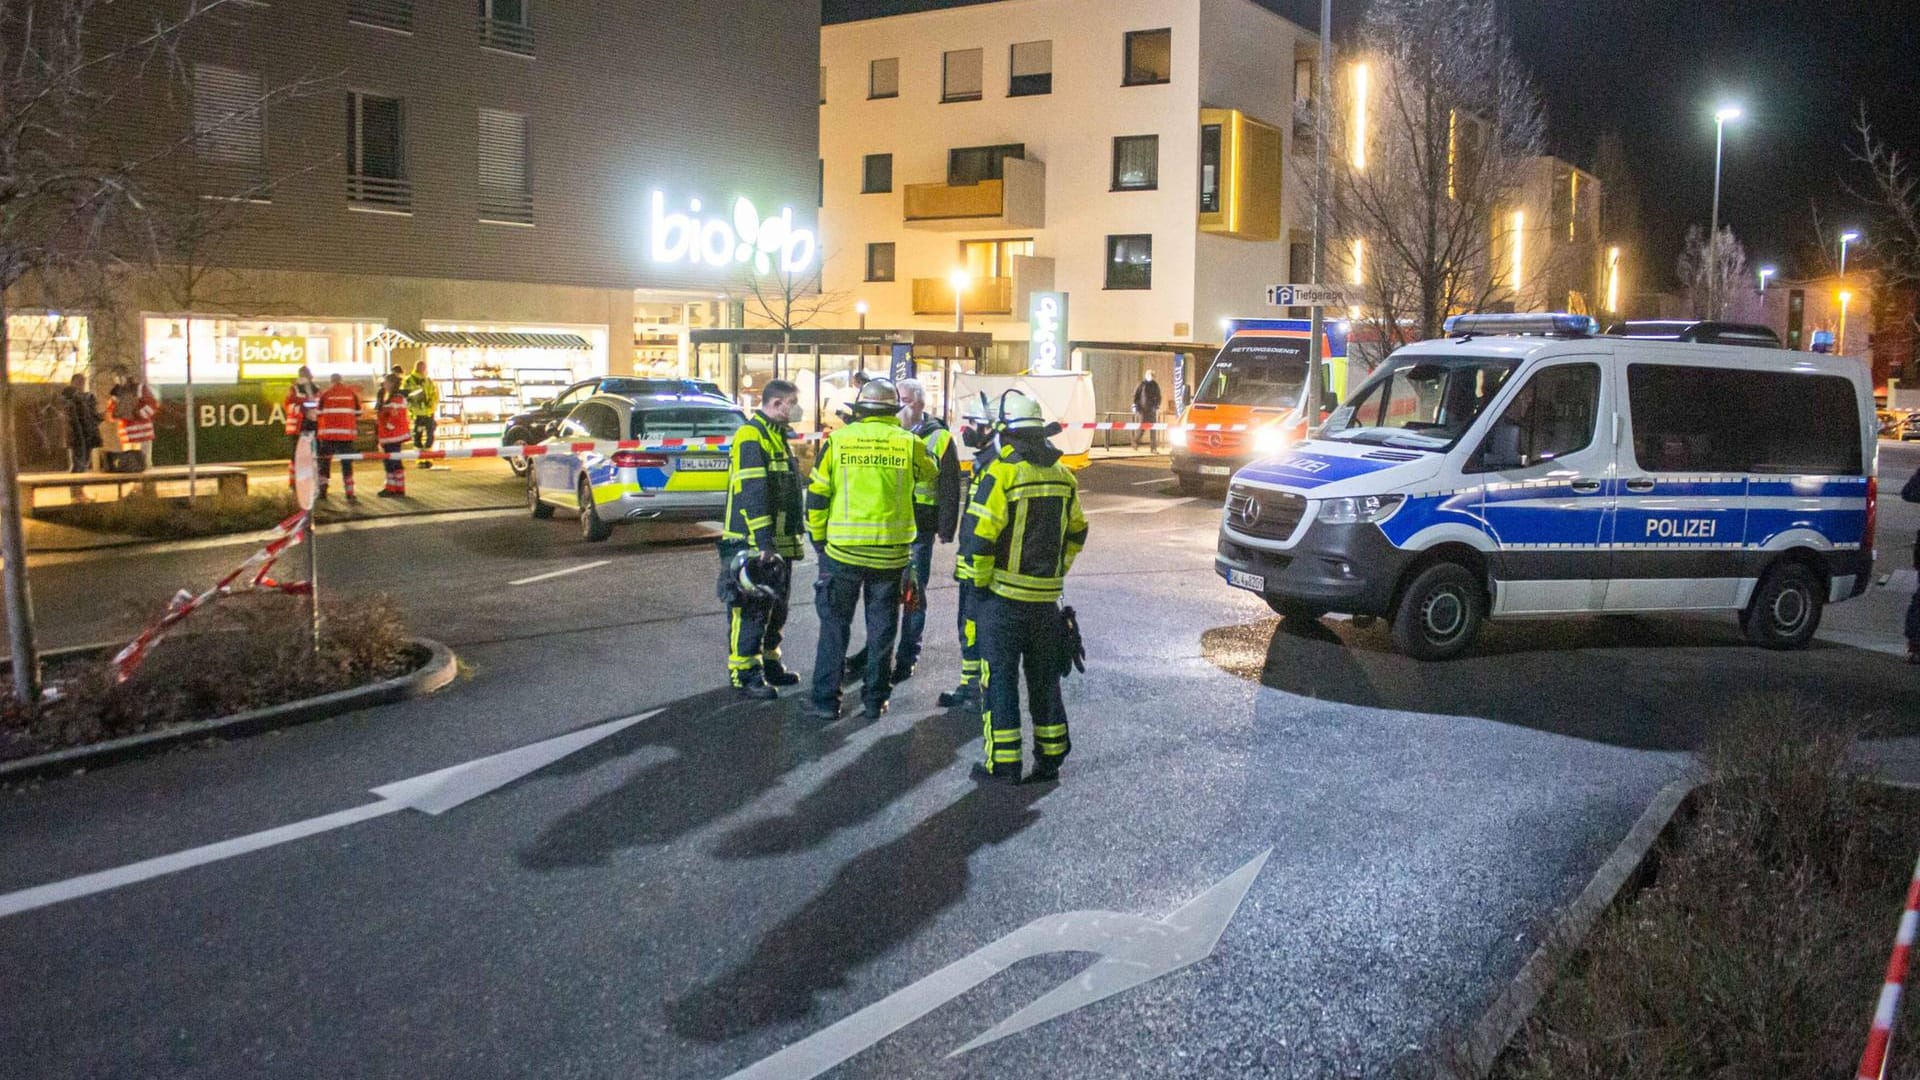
1528,467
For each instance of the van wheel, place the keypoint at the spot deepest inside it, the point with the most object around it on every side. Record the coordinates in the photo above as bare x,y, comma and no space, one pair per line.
592,528
1439,614
541,511
1294,612
1785,610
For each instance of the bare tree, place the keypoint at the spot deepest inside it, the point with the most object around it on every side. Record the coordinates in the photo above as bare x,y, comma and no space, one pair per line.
77,181
1711,281
1892,197
786,300
1450,122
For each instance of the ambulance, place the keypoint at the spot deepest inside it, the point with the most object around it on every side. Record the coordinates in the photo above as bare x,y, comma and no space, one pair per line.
1529,467
1255,382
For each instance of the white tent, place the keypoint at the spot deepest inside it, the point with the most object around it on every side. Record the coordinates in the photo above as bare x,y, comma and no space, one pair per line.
1066,396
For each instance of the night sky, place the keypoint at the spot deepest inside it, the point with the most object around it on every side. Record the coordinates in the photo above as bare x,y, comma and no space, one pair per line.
1652,71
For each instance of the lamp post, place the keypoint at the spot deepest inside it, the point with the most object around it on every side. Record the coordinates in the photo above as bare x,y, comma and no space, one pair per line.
1846,238
1765,273
1840,339
860,309
1720,118
961,281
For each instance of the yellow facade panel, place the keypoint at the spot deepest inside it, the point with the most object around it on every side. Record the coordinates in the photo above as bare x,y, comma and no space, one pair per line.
1248,177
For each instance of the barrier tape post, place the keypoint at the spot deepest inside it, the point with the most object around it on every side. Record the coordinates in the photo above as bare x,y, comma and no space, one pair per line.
1873,1061
306,490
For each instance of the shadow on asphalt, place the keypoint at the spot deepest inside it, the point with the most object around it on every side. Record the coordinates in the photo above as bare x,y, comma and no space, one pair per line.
874,903
1638,682
726,753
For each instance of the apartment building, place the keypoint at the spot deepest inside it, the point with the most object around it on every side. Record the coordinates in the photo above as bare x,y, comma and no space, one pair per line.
522,195
1551,253
1135,160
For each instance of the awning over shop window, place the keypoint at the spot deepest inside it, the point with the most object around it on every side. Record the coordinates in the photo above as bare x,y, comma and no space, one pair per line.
391,338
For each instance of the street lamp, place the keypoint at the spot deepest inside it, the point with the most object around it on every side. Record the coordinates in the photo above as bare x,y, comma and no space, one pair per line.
961,281
860,309
1840,339
1720,118
1846,238
1765,273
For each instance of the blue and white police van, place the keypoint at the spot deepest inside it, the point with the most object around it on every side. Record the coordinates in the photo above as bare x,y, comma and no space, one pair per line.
1528,467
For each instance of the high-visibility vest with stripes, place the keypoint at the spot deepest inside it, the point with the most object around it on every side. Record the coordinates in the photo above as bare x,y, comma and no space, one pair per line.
1024,528
339,413
861,497
302,404
392,420
763,489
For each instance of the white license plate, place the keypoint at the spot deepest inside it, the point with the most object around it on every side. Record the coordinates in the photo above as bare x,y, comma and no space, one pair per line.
704,463
1216,470
1243,580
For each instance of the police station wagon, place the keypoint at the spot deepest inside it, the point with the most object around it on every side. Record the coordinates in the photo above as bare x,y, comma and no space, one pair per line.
1529,467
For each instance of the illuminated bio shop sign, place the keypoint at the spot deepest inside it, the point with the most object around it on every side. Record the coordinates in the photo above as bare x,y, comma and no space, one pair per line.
272,357
745,238
1046,330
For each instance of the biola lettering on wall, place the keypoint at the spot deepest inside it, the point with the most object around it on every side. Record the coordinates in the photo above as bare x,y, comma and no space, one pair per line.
720,243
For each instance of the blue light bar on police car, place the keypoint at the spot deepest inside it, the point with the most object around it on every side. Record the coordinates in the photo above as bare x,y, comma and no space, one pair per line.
1552,324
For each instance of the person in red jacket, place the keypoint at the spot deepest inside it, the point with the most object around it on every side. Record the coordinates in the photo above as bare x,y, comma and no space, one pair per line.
132,406
337,426
393,425
302,409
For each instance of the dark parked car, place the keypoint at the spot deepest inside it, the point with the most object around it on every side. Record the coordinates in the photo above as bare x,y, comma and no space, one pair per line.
539,423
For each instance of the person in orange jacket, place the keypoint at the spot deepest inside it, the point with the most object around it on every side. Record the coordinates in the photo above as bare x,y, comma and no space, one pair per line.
302,409
132,406
337,426
393,424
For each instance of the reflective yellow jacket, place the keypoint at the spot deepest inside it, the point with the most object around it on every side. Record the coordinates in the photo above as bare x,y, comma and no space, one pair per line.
871,493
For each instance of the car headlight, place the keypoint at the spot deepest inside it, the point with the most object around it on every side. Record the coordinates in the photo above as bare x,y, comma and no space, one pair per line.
1366,509
1269,440
1177,436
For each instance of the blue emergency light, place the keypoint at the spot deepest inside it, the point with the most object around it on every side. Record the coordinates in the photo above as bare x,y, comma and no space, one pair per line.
1523,324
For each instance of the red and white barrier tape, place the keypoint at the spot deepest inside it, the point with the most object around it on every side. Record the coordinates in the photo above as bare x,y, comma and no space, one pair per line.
709,442
285,535
1873,1062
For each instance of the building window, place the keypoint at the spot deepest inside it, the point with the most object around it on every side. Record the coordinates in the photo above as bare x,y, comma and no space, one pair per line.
883,78
985,259
1149,57
1136,162
876,177
504,26
968,165
1032,69
230,129
879,262
506,189
383,14
1303,82
377,152
1130,262
960,80
1210,169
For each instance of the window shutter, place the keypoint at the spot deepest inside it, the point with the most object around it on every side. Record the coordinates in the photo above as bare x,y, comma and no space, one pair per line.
506,191
230,125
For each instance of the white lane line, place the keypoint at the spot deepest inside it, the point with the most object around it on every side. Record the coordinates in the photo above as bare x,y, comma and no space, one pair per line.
1159,480
560,573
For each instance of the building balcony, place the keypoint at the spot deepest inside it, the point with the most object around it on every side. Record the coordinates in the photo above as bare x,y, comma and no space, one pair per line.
986,296
1019,201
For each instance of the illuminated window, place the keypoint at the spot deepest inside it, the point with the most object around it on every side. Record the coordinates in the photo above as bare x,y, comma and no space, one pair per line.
1517,228
1303,82
1210,170
1136,163
1031,66
1362,79
1149,59
961,79
1130,262
992,258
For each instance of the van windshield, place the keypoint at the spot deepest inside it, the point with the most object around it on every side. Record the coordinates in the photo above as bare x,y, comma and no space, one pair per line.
1262,372
1420,402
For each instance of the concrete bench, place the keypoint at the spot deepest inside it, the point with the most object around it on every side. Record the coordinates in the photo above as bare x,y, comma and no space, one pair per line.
231,480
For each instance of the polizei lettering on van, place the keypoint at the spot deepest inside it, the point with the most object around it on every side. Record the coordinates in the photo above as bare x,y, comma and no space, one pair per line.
1681,528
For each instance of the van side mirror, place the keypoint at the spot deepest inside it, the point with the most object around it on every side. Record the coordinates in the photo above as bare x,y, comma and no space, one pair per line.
1503,448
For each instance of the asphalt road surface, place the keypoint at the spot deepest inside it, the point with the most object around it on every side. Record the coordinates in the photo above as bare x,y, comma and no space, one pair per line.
691,894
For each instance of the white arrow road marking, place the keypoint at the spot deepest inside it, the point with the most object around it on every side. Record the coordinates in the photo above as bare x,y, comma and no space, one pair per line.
561,573
1134,951
433,793
1142,504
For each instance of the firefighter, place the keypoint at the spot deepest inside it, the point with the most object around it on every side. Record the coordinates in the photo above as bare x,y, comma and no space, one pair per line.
869,499
423,403
1023,529
302,410
947,500
763,522
392,424
978,436
338,424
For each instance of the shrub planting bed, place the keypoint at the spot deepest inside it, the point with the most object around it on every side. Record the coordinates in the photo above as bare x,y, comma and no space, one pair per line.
173,519
247,652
